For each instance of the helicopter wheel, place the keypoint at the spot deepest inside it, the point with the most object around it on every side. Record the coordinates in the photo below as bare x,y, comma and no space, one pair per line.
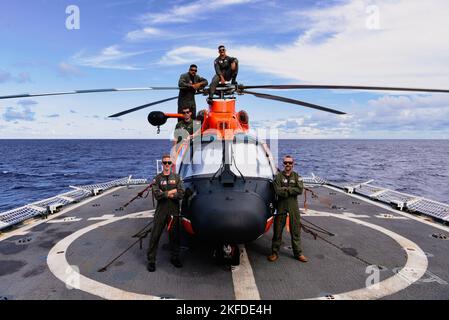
235,255
219,255
227,254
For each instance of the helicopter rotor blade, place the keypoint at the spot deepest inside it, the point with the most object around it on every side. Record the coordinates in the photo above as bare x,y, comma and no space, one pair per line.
141,107
336,87
147,105
29,95
293,101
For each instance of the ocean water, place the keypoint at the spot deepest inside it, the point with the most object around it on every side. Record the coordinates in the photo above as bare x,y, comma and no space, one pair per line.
31,170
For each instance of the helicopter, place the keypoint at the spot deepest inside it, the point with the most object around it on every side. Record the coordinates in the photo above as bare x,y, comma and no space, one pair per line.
227,171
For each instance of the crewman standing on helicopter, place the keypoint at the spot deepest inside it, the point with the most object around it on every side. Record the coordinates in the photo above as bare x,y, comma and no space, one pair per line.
168,191
189,84
226,69
288,185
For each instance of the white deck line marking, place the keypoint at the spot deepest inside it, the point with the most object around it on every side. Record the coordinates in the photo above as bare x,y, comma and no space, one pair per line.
415,267
65,220
245,287
356,216
413,270
29,225
63,271
379,216
386,207
103,217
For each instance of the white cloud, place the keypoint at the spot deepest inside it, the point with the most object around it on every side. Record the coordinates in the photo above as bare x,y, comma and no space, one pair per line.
5,76
68,70
109,58
419,113
187,54
184,13
409,49
143,34
22,77
150,34
414,116
27,103
19,114
308,127
22,112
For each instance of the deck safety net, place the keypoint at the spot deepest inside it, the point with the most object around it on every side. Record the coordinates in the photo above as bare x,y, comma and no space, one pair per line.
35,209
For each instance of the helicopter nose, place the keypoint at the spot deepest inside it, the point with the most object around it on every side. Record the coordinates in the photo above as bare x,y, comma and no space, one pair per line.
229,216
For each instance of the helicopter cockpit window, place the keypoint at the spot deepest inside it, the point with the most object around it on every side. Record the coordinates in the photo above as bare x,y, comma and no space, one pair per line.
251,160
206,159
247,157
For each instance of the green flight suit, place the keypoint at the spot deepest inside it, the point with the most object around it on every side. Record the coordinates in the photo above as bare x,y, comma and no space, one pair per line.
183,129
186,96
164,210
222,67
287,189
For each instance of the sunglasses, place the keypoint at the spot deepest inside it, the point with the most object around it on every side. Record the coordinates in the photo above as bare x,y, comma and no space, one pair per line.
194,70
288,163
167,162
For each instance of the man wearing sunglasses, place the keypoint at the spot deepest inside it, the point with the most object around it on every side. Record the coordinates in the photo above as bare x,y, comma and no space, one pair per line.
168,191
288,185
186,127
189,84
226,69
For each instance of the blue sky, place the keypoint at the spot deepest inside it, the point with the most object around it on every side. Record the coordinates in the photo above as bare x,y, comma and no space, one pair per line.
133,43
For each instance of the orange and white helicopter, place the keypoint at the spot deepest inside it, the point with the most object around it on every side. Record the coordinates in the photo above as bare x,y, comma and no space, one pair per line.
227,171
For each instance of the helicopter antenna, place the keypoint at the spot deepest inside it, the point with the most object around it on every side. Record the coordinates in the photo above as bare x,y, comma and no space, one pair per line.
235,164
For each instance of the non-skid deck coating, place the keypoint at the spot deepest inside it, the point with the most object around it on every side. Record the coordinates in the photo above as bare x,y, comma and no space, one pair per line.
45,259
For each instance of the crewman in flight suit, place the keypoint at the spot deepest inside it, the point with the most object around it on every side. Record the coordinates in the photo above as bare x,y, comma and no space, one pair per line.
226,69
184,128
168,191
288,185
189,83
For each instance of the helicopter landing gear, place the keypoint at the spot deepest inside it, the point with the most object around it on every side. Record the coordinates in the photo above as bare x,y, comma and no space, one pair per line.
227,254
235,255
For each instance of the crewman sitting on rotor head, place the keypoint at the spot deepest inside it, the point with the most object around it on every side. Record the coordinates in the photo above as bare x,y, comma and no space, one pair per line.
226,69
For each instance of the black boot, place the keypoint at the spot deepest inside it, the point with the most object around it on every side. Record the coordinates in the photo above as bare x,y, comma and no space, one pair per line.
151,266
176,262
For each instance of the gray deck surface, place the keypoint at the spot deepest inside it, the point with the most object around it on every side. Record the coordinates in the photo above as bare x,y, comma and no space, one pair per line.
336,265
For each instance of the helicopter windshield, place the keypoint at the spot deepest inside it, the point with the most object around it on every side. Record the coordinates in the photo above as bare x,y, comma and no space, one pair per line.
247,157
